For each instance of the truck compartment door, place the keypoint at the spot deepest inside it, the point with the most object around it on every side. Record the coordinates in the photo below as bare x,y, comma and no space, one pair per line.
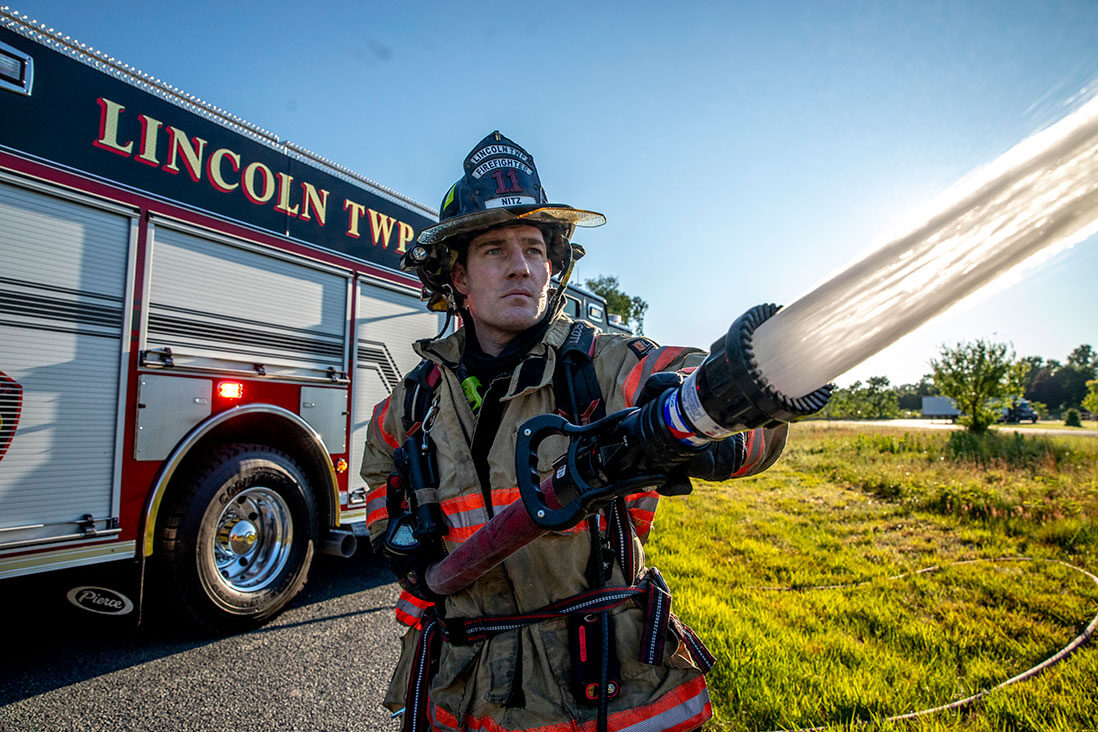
227,305
63,273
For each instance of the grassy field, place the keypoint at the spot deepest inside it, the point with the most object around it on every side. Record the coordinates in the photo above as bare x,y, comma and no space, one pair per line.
1056,424
856,508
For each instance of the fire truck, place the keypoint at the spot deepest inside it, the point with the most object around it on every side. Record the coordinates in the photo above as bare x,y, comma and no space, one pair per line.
197,319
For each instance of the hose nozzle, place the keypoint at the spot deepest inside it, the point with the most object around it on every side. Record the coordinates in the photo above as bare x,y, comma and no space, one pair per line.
728,393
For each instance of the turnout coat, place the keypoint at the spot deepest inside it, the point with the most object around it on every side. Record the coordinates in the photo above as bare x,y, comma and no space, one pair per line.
519,679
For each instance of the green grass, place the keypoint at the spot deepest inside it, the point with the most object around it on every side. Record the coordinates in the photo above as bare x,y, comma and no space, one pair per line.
1055,424
845,506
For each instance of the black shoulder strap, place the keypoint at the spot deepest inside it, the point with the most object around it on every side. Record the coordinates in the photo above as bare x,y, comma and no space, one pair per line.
419,392
579,396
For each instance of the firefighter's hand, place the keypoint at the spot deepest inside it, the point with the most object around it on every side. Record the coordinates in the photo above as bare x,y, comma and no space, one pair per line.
718,461
410,571
657,384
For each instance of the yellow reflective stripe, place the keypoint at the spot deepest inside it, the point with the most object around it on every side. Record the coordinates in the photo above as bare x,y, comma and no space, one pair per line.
60,559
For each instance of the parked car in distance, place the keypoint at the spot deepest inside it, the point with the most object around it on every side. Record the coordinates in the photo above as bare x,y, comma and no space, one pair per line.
1019,411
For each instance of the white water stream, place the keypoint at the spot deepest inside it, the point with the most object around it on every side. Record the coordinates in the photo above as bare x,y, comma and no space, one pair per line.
1040,196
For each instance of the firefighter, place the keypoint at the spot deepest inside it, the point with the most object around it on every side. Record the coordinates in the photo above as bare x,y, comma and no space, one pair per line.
491,260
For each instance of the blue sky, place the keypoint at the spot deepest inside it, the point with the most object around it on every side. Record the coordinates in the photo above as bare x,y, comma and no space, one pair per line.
741,151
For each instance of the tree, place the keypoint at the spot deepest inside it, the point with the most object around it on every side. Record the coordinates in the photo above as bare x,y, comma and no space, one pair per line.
873,400
1018,377
1063,385
846,403
1036,364
1083,356
1074,379
973,374
881,399
630,308
910,396
1090,403
1046,388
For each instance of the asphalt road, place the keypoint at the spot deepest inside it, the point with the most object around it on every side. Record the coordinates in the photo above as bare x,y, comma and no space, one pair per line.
321,665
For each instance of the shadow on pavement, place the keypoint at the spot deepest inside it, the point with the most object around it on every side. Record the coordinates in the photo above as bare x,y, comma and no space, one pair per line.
51,644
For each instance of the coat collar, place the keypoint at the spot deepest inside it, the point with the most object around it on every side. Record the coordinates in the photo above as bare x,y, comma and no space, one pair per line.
535,371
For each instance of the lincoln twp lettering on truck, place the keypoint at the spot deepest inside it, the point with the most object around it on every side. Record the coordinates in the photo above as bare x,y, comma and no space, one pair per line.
198,319
227,172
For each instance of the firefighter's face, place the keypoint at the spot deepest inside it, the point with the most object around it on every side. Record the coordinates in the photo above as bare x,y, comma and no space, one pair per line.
505,281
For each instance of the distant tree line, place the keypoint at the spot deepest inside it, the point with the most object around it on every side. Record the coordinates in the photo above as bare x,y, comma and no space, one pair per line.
979,376
1061,386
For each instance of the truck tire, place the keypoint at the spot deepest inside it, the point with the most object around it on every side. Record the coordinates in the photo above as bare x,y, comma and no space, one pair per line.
238,539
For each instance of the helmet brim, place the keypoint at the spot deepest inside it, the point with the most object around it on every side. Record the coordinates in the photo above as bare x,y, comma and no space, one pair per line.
545,213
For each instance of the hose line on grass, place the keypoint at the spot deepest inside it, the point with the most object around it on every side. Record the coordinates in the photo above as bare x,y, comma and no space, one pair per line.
1027,674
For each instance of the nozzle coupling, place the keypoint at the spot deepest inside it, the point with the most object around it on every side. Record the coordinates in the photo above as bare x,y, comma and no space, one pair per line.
728,393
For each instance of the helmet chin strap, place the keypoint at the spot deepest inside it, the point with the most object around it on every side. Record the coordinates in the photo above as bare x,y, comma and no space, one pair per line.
575,252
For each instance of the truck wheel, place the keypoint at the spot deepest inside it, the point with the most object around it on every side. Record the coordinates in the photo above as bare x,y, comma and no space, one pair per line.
239,538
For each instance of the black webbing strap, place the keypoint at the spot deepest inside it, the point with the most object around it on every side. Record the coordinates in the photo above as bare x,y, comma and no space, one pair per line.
575,383
651,594
579,400
462,631
424,666
419,393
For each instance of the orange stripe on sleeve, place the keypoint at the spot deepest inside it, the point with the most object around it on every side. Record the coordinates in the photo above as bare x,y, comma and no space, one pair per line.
376,499
753,449
632,382
667,355
379,419
692,695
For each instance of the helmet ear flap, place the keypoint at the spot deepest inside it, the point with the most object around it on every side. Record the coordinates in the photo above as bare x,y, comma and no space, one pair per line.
560,250
443,299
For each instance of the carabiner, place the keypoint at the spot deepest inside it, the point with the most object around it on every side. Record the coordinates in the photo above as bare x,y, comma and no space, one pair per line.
429,418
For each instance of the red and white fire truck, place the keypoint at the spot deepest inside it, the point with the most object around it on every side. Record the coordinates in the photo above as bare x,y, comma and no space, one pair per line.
196,321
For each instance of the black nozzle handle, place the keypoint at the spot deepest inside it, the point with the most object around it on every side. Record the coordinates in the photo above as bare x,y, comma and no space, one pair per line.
567,496
556,511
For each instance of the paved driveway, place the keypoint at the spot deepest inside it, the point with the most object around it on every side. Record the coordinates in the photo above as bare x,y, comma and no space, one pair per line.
321,665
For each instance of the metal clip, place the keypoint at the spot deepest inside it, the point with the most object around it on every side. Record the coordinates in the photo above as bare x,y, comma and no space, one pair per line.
429,418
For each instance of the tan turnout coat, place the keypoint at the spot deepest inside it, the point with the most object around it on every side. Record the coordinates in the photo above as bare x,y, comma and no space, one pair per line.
474,682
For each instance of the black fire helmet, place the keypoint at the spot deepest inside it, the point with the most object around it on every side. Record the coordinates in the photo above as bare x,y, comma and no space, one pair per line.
500,187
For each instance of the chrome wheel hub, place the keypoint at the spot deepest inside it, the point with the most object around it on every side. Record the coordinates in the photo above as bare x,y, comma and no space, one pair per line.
252,538
242,537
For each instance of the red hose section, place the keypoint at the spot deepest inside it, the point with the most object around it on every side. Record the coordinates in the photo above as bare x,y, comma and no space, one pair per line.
503,535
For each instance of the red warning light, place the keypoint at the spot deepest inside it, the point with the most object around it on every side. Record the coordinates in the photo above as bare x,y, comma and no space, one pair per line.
230,390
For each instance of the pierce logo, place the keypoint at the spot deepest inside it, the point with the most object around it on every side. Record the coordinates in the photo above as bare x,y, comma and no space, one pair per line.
100,600
11,403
